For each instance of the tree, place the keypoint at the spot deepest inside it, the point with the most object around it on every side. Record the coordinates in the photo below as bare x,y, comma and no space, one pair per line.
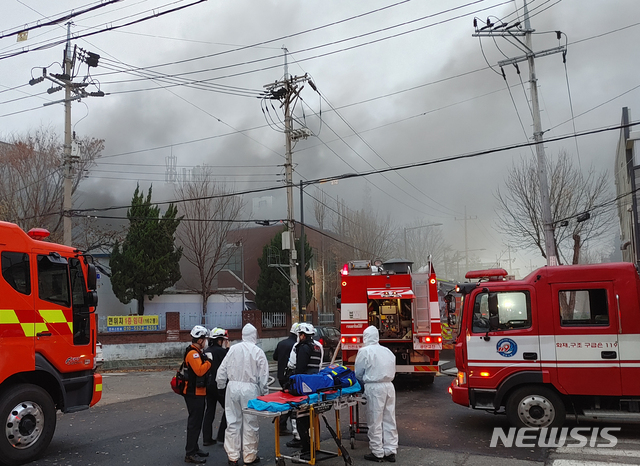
209,213
422,242
147,263
32,178
370,235
273,292
571,193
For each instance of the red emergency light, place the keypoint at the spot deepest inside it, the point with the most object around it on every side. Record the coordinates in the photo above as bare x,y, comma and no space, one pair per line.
491,274
38,233
345,269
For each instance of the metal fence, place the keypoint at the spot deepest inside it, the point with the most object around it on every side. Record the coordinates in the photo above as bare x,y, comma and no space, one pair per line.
326,319
274,319
225,319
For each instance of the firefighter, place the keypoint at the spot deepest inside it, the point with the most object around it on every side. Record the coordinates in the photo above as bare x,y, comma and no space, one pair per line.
195,391
247,370
281,354
308,360
375,366
218,341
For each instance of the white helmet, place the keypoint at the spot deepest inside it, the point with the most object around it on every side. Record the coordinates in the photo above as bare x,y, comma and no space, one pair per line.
199,332
306,328
218,332
294,328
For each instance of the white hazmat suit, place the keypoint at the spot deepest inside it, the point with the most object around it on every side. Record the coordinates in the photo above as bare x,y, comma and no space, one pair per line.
247,370
376,367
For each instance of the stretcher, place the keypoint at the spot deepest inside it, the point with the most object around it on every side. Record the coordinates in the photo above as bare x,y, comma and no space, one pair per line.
314,406
356,425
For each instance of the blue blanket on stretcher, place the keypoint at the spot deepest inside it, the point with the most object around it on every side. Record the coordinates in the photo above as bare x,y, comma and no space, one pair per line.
285,401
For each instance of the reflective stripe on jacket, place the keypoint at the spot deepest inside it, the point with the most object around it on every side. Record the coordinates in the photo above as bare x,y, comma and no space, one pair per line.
197,367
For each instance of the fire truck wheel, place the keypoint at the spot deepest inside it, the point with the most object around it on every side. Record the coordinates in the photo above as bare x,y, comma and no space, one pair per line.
29,417
535,406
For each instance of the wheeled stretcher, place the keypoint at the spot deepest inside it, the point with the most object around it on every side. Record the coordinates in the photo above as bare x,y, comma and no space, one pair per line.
314,406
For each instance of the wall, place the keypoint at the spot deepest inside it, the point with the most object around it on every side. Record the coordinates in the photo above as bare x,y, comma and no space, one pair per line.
172,342
132,351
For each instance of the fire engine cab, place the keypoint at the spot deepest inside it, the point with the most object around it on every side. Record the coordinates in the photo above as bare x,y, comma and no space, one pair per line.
563,341
402,305
47,339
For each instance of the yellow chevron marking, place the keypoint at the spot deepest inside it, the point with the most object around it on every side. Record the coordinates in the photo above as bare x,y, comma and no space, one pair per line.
53,316
8,316
30,329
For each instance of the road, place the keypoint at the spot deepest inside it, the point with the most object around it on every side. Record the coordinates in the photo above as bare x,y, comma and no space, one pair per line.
141,422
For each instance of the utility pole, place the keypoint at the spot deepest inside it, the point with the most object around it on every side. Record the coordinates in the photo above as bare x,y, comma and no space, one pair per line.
66,204
72,91
466,243
503,30
287,92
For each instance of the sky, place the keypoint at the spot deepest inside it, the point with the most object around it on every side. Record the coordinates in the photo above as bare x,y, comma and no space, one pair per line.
399,83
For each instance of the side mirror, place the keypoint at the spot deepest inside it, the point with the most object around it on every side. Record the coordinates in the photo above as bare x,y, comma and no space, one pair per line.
92,277
92,298
450,304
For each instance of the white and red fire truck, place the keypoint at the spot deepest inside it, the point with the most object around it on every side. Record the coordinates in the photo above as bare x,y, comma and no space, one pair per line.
402,305
47,339
562,341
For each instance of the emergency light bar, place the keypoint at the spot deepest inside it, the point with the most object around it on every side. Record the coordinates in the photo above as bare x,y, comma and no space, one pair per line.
488,274
38,233
360,265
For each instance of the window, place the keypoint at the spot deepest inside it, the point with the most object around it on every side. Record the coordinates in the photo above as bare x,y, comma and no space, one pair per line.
53,280
15,271
583,307
81,315
512,309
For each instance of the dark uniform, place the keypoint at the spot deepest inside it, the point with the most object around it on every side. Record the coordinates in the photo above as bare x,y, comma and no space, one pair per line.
308,360
281,354
194,395
214,396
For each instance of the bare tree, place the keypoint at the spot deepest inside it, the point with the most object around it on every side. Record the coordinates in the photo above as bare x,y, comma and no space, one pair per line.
32,177
370,235
209,215
571,193
422,243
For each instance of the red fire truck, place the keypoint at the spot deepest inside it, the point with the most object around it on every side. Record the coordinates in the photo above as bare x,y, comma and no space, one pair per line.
563,340
47,339
402,305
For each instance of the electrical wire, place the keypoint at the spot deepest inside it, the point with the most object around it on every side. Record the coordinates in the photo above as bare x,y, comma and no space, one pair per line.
107,28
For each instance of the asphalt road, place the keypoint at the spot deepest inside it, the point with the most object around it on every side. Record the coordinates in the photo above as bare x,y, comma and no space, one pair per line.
141,422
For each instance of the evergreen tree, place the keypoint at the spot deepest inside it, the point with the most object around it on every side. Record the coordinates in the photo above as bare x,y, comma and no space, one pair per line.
273,293
147,261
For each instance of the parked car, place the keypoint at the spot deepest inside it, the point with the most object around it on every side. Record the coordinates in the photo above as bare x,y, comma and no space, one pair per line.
329,337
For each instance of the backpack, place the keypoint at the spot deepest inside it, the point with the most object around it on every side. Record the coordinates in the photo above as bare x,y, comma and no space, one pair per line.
179,380
305,384
342,376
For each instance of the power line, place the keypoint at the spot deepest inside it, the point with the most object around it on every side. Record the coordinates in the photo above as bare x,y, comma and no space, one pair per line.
58,20
107,28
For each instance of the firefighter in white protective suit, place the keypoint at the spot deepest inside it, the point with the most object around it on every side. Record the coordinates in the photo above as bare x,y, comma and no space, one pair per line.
375,367
246,369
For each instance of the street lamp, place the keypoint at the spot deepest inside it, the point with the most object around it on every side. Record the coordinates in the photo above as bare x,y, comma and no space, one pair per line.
415,228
